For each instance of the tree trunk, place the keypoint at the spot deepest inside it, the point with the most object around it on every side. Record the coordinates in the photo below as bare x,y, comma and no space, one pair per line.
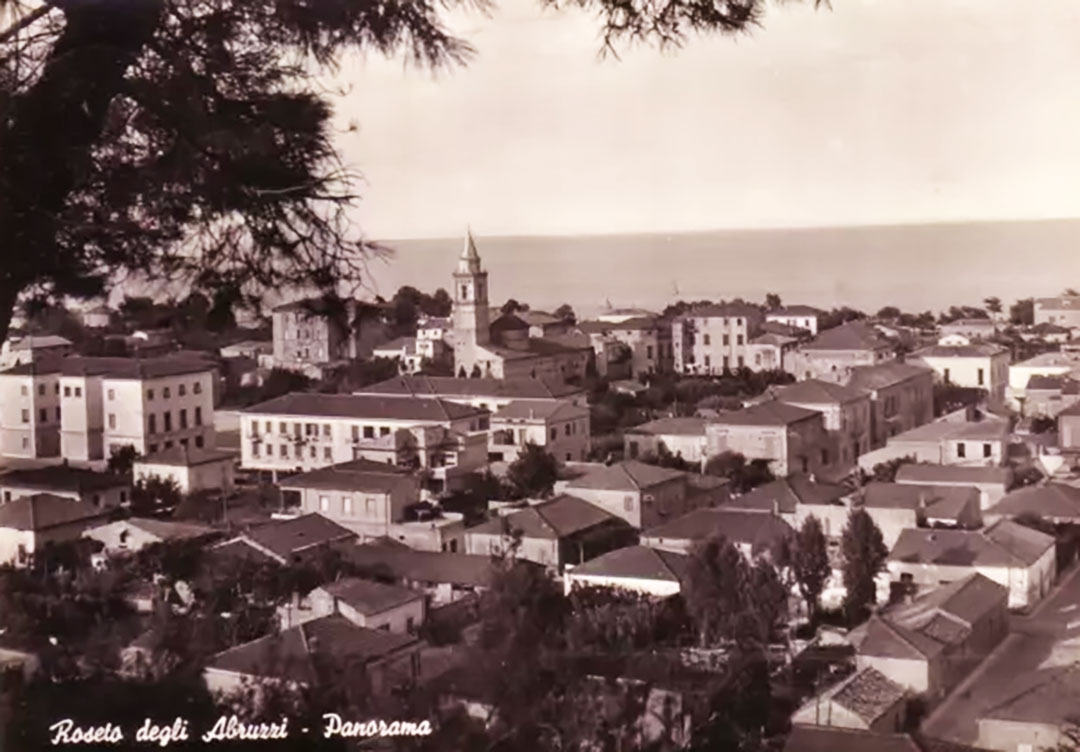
52,128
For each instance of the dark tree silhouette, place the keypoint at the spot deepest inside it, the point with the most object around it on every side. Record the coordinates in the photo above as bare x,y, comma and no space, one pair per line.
810,562
534,472
864,554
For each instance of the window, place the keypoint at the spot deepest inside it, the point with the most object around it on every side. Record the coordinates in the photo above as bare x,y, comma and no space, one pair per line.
727,340
356,433
112,420
742,361
328,453
313,453
183,417
25,416
384,430
369,432
567,429
43,415
628,503
165,393
197,387
254,449
181,390
982,377
326,430
282,428
988,450
961,450
554,433
946,375
739,339
199,442
149,395
24,391
283,450
324,503
153,448
112,394
78,391
648,352
151,423
569,457
707,340
168,445
346,506
25,445
168,421
410,624
58,413
824,456
67,391
198,416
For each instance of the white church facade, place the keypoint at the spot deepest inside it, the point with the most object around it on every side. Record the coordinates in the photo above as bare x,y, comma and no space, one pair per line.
502,348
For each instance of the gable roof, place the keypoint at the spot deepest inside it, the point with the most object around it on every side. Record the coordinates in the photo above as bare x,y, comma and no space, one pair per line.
556,518
1054,500
406,564
966,600
542,411
629,475
789,493
637,563
370,597
185,456
61,478
671,427
869,694
836,739
853,335
920,474
885,374
940,502
509,321
32,341
817,392
771,413
358,475
290,537
295,654
364,406
796,310
169,529
43,511
943,430
760,529
975,350
883,638
1003,544
430,386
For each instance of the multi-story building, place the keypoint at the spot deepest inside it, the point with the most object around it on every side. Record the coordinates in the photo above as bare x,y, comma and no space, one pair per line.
1063,364
802,317
312,333
770,351
486,394
19,350
1063,310
85,408
946,443
559,428
979,366
679,437
713,339
643,495
646,343
846,413
833,353
901,395
791,439
300,432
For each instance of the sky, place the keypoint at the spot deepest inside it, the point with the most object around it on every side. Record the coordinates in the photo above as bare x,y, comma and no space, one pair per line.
871,112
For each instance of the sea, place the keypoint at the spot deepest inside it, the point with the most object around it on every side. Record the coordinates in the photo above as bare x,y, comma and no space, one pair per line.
914,267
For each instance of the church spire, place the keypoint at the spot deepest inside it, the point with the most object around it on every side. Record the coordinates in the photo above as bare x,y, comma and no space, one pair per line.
469,262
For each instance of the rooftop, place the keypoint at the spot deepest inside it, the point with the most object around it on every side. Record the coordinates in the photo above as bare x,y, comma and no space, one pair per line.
796,310
854,335
1047,696
184,456
968,323
302,653
630,475
671,427
556,518
358,475
401,344
1052,501
31,342
1049,360
759,529
364,406
637,323
868,694
169,529
835,739
771,413
638,563
884,375
979,350
120,368
788,493
1060,303
721,311
940,502
817,392
370,597
434,386
288,538
43,511
542,411
409,565
1005,543
988,430
952,474
61,478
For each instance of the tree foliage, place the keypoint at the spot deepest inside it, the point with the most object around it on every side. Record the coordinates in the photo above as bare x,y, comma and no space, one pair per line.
864,552
1022,312
742,475
810,562
885,472
122,459
534,472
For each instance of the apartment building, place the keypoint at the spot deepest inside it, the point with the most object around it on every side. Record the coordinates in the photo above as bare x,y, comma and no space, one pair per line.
901,395
833,353
560,428
646,345
715,338
85,408
791,439
803,317
303,431
846,413
311,332
978,366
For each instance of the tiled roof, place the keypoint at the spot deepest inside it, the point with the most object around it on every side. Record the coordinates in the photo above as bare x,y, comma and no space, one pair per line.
538,318
556,518
169,529
869,694
760,529
454,387
817,392
1003,544
835,739
788,493
884,375
370,597
32,342
1054,501
287,538
630,475
401,344
509,321
637,563
721,311
796,310
61,478
853,335
120,368
988,430
771,338
784,330
406,564
671,427
43,511
638,323
941,502
548,410
183,456
1050,359
920,473
882,637
771,413
969,323
364,406
359,475
295,654
979,350
966,600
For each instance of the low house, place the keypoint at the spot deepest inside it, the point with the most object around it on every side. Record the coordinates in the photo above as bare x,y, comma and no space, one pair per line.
944,442
374,500
643,495
895,507
802,317
1021,559
103,490
1036,713
253,349
365,603
193,469
1053,364
993,482
932,643
560,531
679,437
315,653
753,533
30,524
901,396
867,700
560,428
640,569
445,577
1048,396
833,739
135,533
797,497
834,352
19,350
289,541
1054,502
846,413
791,439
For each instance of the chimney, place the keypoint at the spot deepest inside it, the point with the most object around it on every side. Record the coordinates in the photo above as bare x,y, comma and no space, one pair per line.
922,500
776,507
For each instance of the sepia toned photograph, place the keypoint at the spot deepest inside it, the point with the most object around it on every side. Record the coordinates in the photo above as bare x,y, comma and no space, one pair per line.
540,375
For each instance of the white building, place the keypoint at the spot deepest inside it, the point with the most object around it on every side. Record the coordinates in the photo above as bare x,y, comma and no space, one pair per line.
486,394
18,350
560,428
1063,310
100,490
1047,364
713,339
798,316
193,469
978,366
29,523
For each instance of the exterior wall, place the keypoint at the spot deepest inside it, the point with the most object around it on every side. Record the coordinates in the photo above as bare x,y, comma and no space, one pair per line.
913,674
155,414
801,321
119,537
900,407
1069,431
797,447
833,365
567,440
828,713
642,509
691,448
848,427
81,419
990,373
209,476
892,522
1026,586
105,498
713,344
368,514
30,415
405,618
32,542
1020,373
979,452
1051,312
833,517
1018,736
543,551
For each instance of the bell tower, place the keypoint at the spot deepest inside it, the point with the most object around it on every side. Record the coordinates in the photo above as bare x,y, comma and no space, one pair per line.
471,309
